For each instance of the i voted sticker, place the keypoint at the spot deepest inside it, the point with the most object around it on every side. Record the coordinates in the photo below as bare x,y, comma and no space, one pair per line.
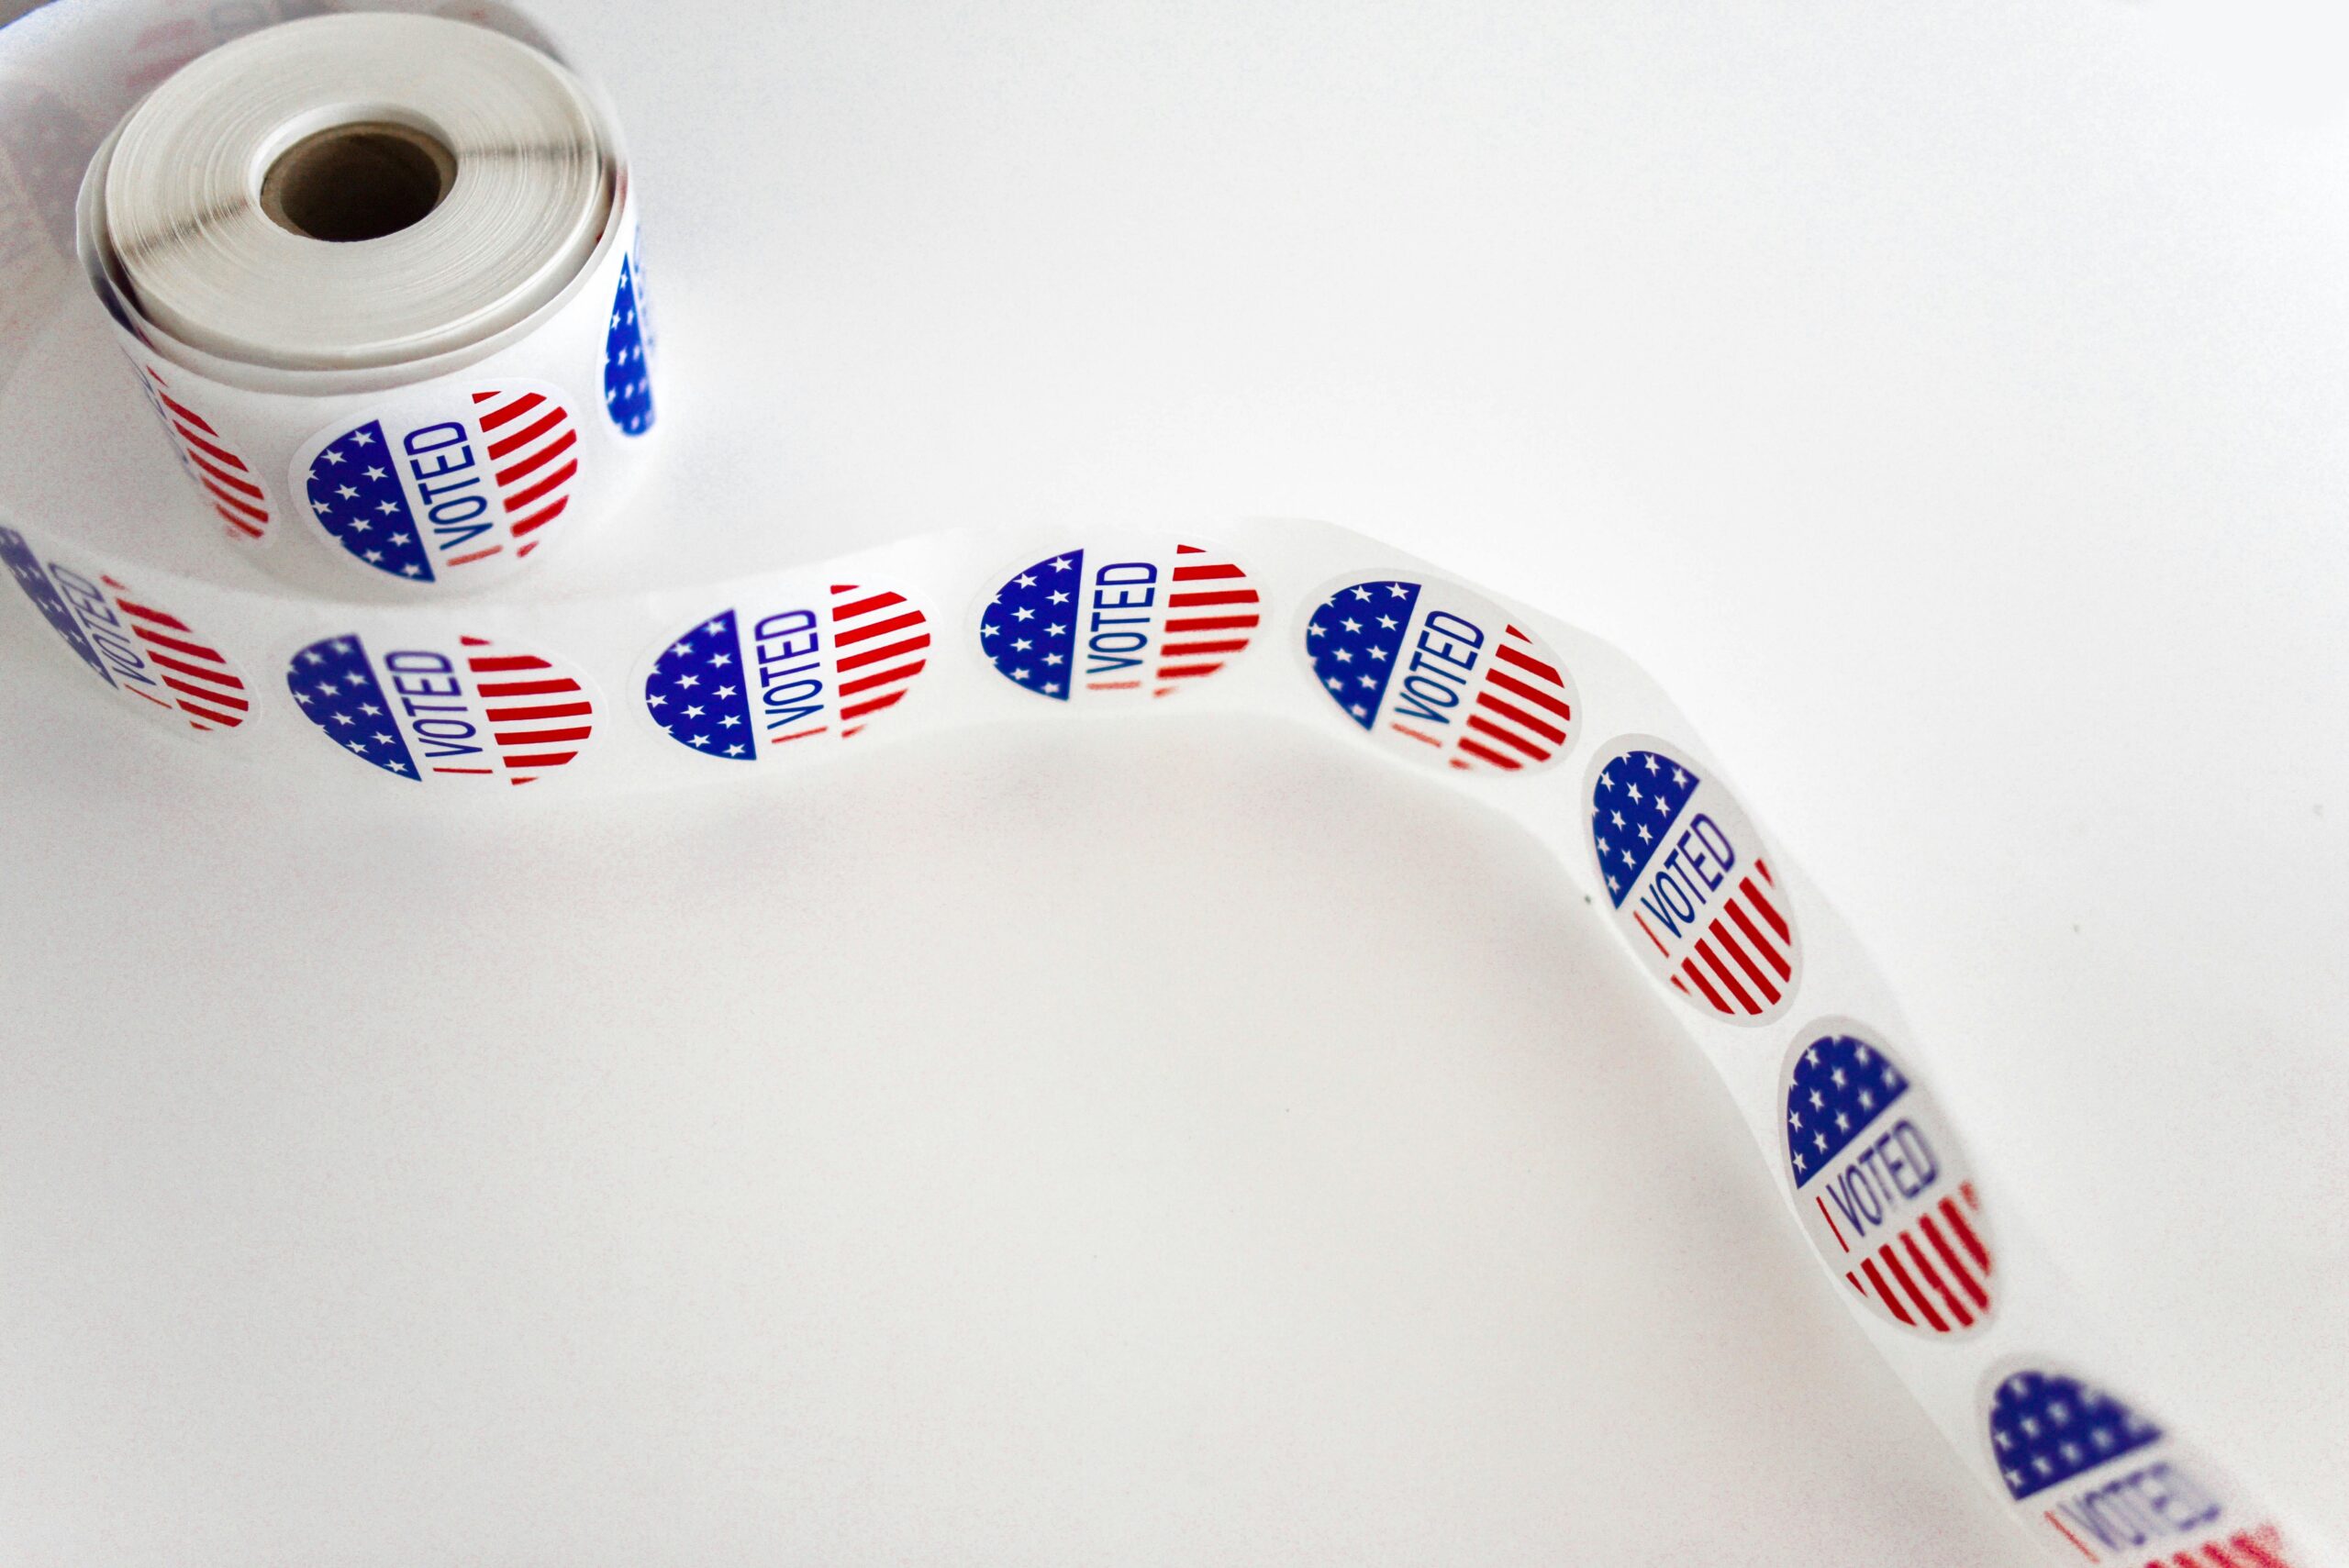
751,681
458,486
627,377
460,709
2097,1482
154,658
1690,884
1120,624
228,482
1881,1184
1437,672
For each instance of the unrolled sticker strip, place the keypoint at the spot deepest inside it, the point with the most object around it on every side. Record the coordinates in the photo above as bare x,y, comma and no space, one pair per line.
781,668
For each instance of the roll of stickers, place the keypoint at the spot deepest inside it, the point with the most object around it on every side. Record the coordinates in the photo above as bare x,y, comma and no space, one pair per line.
376,275
746,680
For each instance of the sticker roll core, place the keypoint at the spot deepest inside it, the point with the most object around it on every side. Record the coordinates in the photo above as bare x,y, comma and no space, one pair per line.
388,229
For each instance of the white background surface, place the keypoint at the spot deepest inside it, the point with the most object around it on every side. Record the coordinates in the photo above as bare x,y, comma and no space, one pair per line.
1186,1143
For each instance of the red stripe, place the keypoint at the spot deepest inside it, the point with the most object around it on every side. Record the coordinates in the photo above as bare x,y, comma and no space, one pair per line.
540,760
498,663
1424,739
1529,693
539,459
529,493
1187,671
858,710
228,720
216,677
2051,1519
513,410
1713,961
1958,1271
1210,623
208,693
157,616
537,520
1830,1222
237,522
1966,1236
1761,943
242,486
873,655
1762,902
797,734
1688,967
226,499
2263,1545
881,601
879,629
526,688
1649,932
1719,933
185,412
1201,573
1192,650
547,710
879,678
1926,1271
1484,753
150,697
1884,1293
1526,662
221,453
1519,717
471,556
1892,1261
506,446
542,737
1483,726
1201,601
177,645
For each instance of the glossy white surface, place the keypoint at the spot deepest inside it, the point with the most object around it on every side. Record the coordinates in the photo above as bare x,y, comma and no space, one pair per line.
1187,1143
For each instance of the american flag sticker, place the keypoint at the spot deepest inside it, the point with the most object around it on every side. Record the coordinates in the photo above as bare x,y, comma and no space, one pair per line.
1691,884
1882,1185
144,651
461,709
628,378
2098,1483
1111,624
1441,675
750,681
455,488
228,482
